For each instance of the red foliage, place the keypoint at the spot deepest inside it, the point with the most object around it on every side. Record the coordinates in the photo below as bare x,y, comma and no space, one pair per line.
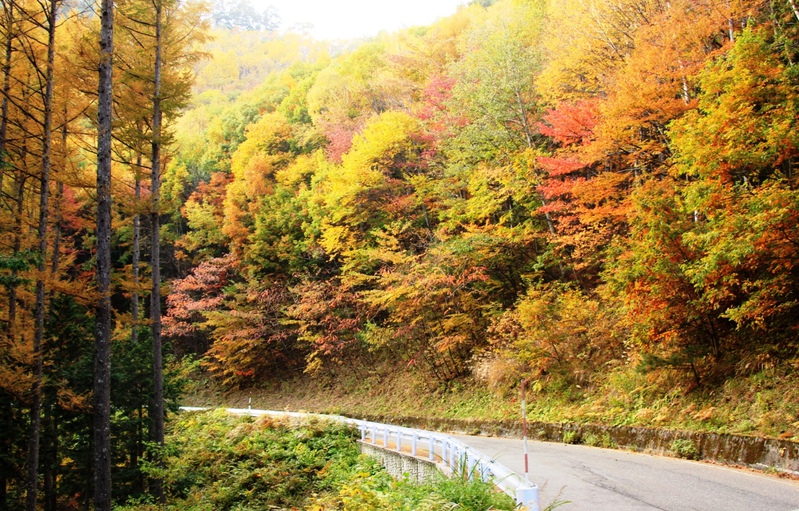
339,134
201,291
435,109
328,316
586,200
571,124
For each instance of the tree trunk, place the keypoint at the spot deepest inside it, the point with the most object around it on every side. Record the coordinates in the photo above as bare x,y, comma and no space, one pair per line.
155,298
6,419
44,198
49,458
136,257
19,184
102,356
9,13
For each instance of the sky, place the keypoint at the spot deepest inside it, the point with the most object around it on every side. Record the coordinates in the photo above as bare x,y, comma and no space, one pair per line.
349,19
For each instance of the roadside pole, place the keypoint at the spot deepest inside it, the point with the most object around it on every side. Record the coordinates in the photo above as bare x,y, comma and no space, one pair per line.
527,495
524,432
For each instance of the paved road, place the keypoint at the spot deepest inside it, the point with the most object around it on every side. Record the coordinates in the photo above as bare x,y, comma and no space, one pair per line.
595,479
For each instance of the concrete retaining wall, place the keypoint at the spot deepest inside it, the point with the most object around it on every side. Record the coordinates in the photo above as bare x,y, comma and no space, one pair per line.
399,464
751,451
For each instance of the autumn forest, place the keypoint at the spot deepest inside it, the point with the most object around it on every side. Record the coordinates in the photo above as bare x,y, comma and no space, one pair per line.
591,194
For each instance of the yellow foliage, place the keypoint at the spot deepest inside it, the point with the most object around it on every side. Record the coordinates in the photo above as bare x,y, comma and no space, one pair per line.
300,170
348,194
264,152
381,142
267,136
560,328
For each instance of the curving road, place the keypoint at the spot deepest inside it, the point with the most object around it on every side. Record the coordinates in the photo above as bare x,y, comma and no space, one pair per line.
594,479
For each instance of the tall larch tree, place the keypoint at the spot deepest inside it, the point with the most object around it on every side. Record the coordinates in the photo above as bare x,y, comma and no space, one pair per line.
155,245
8,39
8,18
44,197
102,357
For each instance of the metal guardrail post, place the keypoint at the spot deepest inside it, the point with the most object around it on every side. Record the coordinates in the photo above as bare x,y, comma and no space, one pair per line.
414,439
399,440
432,448
527,496
471,465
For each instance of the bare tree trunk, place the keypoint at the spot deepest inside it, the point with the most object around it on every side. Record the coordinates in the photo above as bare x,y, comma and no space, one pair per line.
19,184
19,178
134,306
102,356
9,13
136,257
155,298
51,454
44,198
6,411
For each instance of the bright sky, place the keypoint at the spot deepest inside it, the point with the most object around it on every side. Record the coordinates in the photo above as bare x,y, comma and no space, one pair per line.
349,19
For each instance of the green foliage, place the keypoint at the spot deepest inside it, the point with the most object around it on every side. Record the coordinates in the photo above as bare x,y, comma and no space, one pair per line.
378,492
685,448
747,116
598,440
217,461
11,266
223,462
572,437
495,83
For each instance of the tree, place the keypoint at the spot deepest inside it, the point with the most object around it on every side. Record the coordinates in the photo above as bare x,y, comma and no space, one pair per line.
155,247
157,84
9,35
353,89
241,14
102,360
44,194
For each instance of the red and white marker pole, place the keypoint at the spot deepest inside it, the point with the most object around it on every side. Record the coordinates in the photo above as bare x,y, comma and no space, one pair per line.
527,496
524,432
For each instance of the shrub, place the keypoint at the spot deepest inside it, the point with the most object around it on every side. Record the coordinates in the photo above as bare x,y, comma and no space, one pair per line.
685,448
602,440
571,437
214,461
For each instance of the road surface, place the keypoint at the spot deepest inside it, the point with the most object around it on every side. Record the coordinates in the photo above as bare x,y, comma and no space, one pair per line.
594,479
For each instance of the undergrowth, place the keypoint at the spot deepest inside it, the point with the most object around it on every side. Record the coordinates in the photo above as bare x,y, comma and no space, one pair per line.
765,403
214,461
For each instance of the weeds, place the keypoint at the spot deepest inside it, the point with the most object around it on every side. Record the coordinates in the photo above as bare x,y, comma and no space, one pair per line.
220,462
685,448
763,403
595,440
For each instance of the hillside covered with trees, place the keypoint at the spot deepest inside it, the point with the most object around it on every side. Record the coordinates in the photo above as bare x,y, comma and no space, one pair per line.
600,196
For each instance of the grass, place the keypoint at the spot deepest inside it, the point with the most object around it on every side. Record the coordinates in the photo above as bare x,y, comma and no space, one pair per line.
765,403
214,461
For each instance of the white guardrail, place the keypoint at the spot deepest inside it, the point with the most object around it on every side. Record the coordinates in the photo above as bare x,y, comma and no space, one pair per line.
435,447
